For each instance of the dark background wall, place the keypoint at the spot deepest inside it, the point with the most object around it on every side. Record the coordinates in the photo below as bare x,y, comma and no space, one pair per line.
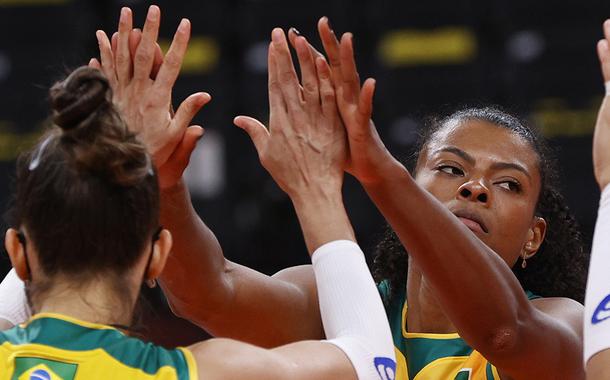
535,58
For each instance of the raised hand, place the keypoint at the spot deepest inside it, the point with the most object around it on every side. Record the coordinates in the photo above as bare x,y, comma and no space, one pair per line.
305,145
368,157
601,138
142,81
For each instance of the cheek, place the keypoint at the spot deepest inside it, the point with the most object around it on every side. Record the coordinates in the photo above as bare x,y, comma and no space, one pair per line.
515,217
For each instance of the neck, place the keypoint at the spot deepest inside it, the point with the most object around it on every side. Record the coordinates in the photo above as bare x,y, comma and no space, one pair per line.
424,314
96,300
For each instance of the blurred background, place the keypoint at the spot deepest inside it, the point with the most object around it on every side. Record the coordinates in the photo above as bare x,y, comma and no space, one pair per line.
535,58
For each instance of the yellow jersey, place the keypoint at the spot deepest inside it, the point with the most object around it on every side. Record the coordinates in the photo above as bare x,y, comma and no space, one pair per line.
57,347
428,356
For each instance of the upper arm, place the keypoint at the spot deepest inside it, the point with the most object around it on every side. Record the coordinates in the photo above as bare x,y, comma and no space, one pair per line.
264,310
228,359
549,345
228,299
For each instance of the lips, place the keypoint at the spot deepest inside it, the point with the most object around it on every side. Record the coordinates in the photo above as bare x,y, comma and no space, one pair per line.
473,221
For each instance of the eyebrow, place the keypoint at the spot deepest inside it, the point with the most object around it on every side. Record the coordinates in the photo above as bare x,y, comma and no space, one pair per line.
495,166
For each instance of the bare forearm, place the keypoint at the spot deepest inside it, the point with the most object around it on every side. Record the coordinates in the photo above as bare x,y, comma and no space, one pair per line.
196,263
322,217
464,273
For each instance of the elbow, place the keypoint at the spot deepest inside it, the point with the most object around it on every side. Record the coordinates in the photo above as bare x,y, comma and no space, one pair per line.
502,341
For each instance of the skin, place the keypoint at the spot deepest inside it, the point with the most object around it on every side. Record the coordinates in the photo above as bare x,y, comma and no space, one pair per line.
507,329
310,132
597,367
4,324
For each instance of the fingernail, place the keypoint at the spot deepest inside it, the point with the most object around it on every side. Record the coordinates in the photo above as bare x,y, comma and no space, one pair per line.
329,24
153,13
277,34
183,24
123,16
295,31
98,35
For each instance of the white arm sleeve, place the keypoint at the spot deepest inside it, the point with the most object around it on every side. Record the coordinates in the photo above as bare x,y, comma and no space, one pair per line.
13,302
352,311
597,299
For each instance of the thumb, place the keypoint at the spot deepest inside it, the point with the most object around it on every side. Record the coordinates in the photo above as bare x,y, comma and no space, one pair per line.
171,171
255,129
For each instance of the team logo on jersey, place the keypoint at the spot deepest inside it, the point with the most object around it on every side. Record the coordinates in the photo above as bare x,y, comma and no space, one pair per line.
42,369
602,311
386,368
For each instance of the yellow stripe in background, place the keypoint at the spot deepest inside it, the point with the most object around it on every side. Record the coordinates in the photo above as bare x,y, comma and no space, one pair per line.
202,55
442,46
557,119
12,143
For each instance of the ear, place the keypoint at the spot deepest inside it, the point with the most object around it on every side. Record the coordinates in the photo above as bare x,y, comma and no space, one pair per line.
535,237
161,250
16,253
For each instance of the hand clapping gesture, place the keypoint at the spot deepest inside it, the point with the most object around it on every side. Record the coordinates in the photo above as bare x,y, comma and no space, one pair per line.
142,81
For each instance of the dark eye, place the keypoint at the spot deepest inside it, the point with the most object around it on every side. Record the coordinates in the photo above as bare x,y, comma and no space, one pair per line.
449,169
513,186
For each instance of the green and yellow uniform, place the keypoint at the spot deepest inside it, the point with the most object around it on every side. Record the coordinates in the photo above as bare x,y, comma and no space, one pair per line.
427,356
56,347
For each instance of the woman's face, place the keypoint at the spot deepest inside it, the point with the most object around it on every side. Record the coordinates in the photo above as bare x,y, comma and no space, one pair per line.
489,178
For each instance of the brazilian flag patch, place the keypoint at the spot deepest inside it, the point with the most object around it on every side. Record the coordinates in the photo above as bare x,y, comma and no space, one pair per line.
43,369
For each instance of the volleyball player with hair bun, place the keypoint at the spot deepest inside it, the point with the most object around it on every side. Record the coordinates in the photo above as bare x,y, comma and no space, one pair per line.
597,302
85,235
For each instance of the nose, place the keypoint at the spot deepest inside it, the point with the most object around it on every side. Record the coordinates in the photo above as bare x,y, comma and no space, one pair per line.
474,191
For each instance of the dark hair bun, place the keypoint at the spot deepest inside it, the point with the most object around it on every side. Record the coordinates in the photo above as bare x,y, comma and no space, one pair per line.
75,99
92,132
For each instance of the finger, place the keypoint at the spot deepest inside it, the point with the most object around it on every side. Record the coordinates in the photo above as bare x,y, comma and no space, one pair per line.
286,75
331,46
292,36
327,91
123,57
107,58
309,77
189,108
145,53
603,52
168,73
349,74
114,42
158,61
171,171
277,106
135,36
365,101
94,63
255,129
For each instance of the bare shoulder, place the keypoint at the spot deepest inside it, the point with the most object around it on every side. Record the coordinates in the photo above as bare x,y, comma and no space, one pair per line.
562,309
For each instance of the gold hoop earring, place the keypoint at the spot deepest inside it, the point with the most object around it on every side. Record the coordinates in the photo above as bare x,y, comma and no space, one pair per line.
151,283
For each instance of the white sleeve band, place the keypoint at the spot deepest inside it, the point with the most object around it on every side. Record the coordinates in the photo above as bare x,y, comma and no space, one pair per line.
352,311
597,299
13,301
